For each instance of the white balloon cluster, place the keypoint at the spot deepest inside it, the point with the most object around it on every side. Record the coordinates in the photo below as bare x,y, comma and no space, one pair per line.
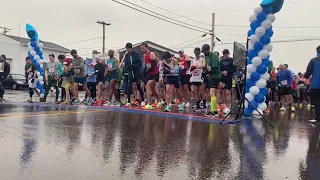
259,48
36,52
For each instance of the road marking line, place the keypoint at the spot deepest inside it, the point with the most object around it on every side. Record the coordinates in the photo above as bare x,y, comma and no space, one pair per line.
52,114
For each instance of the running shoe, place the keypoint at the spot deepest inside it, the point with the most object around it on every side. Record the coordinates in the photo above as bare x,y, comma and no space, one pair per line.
167,109
148,107
312,106
181,107
124,101
221,107
211,114
127,105
300,105
282,109
160,104
136,103
76,102
29,101
155,104
42,99
176,101
84,101
188,105
143,104
314,121
293,109
66,103
89,102
226,110
116,104
108,103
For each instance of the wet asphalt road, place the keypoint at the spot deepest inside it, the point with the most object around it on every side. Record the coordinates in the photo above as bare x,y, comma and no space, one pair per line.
57,142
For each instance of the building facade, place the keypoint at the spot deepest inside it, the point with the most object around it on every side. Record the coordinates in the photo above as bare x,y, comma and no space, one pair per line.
16,50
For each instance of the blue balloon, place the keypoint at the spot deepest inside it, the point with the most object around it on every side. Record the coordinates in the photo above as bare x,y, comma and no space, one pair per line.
42,73
259,98
247,89
255,24
41,91
249,61
37,49
32,32
249,83
264,91
261,16
255,76
265,62
274,5
252,54
262,69
40,53
247,112
253,105
258,46
269,32
267,10
33,44
38,65
265,39
250,32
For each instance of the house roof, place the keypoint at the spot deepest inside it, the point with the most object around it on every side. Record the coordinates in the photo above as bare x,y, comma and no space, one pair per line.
153,45
46,45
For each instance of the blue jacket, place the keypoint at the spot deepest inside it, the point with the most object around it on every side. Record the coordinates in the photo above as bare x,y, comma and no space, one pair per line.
90,70
284,75
133,63
314,70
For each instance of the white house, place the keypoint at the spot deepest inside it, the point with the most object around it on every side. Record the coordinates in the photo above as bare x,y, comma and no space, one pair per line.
16,50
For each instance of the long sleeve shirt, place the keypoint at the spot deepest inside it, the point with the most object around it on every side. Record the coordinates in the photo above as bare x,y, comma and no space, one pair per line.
313,70
284,78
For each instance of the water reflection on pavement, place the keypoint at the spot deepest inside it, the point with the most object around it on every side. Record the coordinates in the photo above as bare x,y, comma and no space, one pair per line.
59,143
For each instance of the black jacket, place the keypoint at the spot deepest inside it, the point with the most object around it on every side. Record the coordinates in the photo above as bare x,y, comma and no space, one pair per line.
6,72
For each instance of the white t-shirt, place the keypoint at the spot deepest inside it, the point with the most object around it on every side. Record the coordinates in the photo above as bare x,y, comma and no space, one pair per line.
196,74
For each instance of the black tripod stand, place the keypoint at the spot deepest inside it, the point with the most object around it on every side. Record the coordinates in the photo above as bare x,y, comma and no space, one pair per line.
243,99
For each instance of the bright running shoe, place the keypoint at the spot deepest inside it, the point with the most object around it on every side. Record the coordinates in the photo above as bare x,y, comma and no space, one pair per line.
160,104
127,105
188,105
136,103
226,110
211,114
124,101
108,103
76,102
143,104
89,102
176,101
116,104
181,107
300,105
148,107
312,106
155,104
293,109
314,121
282,109
167,109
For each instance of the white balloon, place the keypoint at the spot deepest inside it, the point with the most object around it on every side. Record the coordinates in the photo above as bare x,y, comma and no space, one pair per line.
40,78
265,76
268,47
263,106
256,61
254,90
254,38
248,75
40,45
37,57
266,24
260,31
246,104
261,83
271,17
33,53
250,46
251,68
41,49
257,10
256,113
41,82
263,54
249,96
29,43
41,65
38,74
253,17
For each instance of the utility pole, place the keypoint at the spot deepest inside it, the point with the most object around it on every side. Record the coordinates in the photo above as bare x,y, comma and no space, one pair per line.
5,30
212,31
103,34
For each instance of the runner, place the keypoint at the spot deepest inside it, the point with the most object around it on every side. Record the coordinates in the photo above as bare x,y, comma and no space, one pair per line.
91,78
313,70
132,66
185,63
32,75
99,72
50,77
227,71
60,80
4,72
170,71
213,76
112,69
303,84
67,82
285,78
79,77
197,66
152,76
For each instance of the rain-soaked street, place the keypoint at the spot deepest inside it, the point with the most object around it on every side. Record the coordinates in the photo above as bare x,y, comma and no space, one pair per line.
46,141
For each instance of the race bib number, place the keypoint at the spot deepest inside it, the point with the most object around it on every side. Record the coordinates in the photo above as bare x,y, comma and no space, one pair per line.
196,73
77,71
51,70
110,66
284,83
148,65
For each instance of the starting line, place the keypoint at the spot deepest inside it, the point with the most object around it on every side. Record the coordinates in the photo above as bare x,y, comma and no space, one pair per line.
127,110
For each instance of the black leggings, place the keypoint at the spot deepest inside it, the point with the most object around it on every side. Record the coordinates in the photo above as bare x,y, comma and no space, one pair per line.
92,86
303,95
129,91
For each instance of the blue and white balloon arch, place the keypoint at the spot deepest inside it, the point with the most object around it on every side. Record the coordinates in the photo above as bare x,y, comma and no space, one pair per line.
259,48
35,53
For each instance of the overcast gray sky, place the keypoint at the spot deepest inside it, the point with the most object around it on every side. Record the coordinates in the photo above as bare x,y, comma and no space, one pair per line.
68,21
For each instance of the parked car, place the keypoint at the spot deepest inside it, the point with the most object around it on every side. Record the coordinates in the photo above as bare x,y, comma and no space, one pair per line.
15,82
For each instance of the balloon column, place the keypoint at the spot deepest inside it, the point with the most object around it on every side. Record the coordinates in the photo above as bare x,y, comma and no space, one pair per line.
35,53
259,48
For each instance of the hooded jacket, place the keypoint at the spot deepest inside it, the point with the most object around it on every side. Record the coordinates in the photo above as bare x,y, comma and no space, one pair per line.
6,70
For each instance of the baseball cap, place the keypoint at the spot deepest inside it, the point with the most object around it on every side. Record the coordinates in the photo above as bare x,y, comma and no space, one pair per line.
67,62
166,55
225,51
177,56
205,48
181,50
3,57
129,45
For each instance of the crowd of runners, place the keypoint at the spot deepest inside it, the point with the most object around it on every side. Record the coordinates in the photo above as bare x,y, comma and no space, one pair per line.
207,82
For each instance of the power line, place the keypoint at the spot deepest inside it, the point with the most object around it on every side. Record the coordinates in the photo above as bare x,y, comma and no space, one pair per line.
160,17
5,30
81,41
188,41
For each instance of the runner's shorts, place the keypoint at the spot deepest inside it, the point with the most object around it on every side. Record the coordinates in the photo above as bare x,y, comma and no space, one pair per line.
185,79
173,80
34,84
285,91
226,83
212,83
153,77
80,80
